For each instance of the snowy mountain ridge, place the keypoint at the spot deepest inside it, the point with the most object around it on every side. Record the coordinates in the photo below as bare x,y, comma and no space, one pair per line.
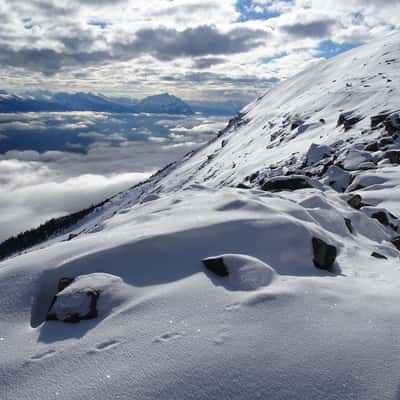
293,210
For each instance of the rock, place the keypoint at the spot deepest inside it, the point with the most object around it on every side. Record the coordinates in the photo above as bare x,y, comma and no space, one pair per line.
386,140
216,265
349,225
254,176
243,186
392,123
396,242
322,120
348,121
381,217
63,283
378,119
377,255
296,124
324,255
393,156
72,236
73,307
286,183
355,202
372,147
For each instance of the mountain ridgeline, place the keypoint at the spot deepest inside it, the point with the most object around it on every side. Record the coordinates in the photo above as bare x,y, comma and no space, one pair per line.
62,102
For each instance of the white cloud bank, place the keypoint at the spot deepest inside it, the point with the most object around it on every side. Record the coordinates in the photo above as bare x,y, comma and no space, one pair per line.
32,192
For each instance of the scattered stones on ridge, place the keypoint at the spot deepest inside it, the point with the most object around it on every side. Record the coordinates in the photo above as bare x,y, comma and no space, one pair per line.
324,255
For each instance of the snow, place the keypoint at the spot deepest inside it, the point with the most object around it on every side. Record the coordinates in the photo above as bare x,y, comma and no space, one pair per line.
245,273
276,327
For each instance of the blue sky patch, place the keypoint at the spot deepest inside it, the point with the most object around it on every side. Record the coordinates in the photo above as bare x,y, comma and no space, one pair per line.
329,48
248,11
100,24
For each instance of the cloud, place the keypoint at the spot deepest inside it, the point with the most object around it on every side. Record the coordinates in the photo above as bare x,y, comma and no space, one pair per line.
207,62
142,48
167,43
314,29
33,193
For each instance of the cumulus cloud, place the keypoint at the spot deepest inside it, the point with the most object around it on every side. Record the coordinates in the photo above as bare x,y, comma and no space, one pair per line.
126,46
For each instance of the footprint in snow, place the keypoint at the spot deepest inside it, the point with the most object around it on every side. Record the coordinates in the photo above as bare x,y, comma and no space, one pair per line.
166,337
107,345
233,307
223,335
42,356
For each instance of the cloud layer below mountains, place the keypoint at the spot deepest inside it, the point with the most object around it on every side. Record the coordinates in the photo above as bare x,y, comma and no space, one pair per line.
94,159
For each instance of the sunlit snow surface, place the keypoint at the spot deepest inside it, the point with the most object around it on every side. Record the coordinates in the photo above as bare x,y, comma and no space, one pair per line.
277,328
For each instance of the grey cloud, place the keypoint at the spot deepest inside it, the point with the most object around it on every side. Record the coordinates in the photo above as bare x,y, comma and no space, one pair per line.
162,43
315,29
167,44
204,63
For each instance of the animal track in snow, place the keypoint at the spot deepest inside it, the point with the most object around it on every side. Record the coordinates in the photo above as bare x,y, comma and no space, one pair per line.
41,356
223,334
233,307
107,345
166,337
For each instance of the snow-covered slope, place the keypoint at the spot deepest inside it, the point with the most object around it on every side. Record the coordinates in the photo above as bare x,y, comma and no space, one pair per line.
276,327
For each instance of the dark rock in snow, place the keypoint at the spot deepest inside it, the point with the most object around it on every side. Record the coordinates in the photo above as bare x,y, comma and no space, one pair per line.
286,183
378,255
393,156
392,123
242,186
378,119
216,265
396,242
349,225
386,140
348,121
324,255
63,283
76,314
381,217
372,147
356,202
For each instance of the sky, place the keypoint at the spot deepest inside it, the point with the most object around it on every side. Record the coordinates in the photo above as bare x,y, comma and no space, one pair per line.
195,49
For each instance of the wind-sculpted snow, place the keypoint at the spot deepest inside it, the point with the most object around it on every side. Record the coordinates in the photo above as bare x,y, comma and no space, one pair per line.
316,164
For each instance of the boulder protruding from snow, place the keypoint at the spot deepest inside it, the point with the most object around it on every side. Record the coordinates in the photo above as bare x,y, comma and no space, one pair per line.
286,183
396,242
355,202
77,298
378,255
393,156
324,255
216,265
239,272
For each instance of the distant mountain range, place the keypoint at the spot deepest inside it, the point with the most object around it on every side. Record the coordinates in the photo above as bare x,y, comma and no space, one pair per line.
164,103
